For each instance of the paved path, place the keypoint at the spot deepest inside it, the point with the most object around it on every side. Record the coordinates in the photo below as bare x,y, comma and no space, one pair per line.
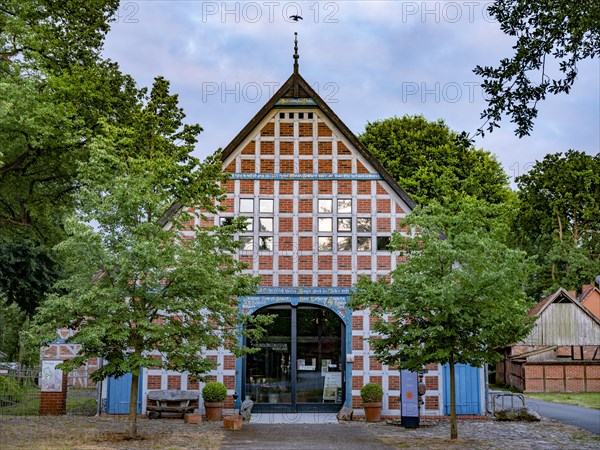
586,418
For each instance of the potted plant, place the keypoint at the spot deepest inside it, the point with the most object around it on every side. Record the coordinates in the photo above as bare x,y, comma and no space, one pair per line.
371,395
214,394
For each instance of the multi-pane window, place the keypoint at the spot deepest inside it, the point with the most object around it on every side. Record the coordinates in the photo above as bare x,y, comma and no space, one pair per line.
344,206
344,224
325,243
249,224
344,243
265,243
363,244
325,224
265,205
265,224
363,224
246,205
383,243
325,206
247,243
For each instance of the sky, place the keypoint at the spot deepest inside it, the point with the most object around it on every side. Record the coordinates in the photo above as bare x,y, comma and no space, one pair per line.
369,60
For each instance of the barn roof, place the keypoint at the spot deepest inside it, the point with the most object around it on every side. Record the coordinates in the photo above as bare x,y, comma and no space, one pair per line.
561,295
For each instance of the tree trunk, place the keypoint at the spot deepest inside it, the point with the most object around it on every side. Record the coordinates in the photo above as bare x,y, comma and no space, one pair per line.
453,430
133,395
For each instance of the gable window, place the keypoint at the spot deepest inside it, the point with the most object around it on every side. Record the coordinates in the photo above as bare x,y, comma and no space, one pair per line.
265,224
325,243
363,224
265,243
325,224
265,205
344,244
363,244
246,205
383,243
344,206
326,206
344,224
247,243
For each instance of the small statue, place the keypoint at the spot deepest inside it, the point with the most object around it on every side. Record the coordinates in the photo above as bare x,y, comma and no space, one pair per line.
246,409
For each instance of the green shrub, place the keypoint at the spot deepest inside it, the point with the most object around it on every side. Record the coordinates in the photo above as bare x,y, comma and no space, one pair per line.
371,393
10,391
214,392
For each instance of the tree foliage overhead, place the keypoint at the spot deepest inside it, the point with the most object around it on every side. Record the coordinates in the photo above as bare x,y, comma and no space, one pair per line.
558,220
432,162
552,37
457,298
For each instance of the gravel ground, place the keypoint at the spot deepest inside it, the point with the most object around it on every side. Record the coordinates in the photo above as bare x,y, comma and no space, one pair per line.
109,432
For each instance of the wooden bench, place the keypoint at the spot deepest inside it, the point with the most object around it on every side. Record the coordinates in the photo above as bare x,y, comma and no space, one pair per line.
171,401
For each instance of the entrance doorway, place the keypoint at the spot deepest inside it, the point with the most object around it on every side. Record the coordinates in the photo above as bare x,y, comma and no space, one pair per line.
300,365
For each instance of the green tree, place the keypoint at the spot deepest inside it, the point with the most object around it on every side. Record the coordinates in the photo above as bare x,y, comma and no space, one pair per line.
457,298
552,37
558,220
432,162
136,284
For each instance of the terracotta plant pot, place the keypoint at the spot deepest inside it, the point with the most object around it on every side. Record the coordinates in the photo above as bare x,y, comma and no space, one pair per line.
214,411
372,411
192,418
233,422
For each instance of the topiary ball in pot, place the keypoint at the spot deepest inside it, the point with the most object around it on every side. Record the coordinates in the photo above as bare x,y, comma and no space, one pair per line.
214,392
214,395
371,395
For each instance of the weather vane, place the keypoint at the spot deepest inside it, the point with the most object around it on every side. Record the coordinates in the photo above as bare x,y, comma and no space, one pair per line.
296,56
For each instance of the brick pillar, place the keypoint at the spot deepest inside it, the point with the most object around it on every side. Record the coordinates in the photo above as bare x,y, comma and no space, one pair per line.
53,396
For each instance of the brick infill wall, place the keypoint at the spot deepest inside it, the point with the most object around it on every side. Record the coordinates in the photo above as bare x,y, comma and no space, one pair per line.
567,376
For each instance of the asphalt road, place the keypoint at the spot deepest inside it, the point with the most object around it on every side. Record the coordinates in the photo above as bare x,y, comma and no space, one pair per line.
586,418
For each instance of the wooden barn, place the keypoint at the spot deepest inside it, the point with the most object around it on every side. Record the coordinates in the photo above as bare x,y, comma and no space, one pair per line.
562,352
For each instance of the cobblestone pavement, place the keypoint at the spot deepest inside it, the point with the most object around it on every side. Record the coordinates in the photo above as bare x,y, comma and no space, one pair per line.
108,432
432,434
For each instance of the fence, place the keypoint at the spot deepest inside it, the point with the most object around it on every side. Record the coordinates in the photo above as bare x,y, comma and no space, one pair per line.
20,392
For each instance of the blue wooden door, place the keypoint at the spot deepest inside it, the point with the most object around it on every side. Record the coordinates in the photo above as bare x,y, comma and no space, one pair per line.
468,392
119,390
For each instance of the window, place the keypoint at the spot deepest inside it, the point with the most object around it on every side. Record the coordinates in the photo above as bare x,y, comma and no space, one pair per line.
325,243
363,224
265,205
344,224
325,224
247,243
300,115
363,244
310,115
246,205
224,221
326,206
265,224
344,244
383,243
265,243
282,115
344,206
290,115
249,224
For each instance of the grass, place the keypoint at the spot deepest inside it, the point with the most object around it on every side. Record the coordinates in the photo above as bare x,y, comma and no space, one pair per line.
587,399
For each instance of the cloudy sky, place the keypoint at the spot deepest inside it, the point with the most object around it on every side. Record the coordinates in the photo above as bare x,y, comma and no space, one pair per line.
368,59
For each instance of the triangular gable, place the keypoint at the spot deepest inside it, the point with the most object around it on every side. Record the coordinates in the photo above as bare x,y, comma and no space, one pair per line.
299,93
560,295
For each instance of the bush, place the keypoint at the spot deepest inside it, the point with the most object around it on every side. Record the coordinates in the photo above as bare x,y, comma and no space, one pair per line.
10,391
371,393
214,392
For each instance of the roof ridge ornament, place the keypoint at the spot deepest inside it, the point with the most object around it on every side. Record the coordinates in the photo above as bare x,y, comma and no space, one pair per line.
296,56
